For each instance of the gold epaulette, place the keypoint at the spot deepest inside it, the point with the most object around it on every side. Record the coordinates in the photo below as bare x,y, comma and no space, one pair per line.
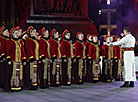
54,55
89,57
8,57
31,57
24,57
42,56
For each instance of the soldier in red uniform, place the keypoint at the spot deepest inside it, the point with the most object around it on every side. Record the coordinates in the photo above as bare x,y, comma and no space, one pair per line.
67,54
15,58
32,54
107,53
94,56
56,58
3,40
87,43
117,61
80,56
44,52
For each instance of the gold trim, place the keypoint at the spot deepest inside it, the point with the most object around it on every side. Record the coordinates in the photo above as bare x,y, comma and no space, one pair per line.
57,82
71,47
108,80
16,88
59,53
68,82
58,66
97,50
36,50
84,48
89,57
54,55
35,84
34,65
31,57
48,47
17,69
3,54
64,56
41,56
77,56
24,57
95,78
8,57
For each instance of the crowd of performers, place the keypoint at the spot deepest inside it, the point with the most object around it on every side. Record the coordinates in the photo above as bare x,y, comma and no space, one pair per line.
33,60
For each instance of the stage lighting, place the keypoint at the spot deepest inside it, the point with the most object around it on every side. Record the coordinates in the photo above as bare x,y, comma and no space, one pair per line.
108,2
100,12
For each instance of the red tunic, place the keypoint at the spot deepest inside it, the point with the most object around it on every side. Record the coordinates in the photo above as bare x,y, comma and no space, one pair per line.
55,48
44,48
94,51
87,43
15,50
117,52
79,49
107,51
3,41
32,49
66,49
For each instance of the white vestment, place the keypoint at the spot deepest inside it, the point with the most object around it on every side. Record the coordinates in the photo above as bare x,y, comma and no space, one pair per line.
129,73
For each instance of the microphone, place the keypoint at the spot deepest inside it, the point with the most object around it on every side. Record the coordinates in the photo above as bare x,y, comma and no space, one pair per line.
122,34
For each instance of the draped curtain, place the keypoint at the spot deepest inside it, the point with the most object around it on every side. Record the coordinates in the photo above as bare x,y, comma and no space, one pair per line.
76,7
22,11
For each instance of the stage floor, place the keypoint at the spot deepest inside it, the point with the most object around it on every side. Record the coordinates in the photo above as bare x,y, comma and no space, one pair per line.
89,92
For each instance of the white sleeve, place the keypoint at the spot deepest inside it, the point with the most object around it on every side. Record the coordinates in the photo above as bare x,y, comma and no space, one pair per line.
122,41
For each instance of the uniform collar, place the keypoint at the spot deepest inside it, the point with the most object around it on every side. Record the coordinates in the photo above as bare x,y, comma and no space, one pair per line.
66,39
5,36
80,40
16,39
32,37
55,39
45,38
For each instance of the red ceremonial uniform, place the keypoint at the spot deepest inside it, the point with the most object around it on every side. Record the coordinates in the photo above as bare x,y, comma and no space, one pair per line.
56,63
117,52
94,51
79,71
67,54
66,49
44,52
55,48
32,47
12,51
94,67
3,41
87,43
107,53
15,54
79,49
117,63
44,49
32,54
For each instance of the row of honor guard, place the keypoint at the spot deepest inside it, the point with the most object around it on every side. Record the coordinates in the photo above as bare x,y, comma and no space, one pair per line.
28,61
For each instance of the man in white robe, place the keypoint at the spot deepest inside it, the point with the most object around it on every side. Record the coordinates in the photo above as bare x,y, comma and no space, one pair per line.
127,43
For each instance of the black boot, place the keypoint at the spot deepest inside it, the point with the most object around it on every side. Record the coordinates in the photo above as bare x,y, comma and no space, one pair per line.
131,84
126,84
